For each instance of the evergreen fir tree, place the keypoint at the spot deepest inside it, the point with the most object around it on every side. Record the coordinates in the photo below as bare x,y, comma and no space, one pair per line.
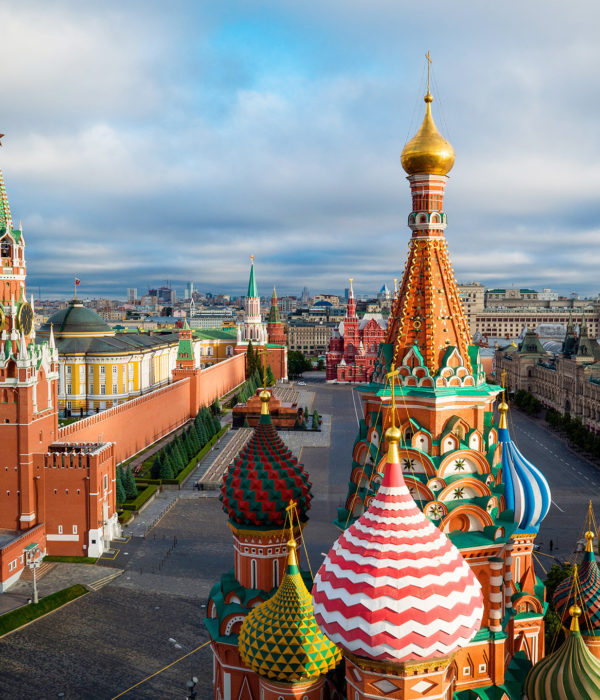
178,457
169,459
297,423
315,420
217,424
201,435
166,472
121,497
250,366
189,447
246,424
270,376
210,427
129,485
155,471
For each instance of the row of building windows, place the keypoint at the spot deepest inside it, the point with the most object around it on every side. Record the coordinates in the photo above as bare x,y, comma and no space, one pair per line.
13,564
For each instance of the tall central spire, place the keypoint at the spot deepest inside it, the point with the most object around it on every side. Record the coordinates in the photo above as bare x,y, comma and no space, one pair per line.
427,311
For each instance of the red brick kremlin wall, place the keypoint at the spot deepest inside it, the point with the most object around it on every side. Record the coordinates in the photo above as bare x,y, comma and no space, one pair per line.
135,424
217,380
142,421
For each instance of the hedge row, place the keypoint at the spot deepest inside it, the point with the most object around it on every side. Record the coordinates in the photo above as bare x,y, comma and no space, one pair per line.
21,616
71,560
144,496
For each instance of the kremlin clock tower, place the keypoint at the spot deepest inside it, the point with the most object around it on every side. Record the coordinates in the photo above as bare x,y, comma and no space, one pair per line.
54,494
28,382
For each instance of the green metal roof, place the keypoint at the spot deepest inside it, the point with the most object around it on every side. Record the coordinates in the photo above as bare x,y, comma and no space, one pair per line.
215,334
252,288
76,318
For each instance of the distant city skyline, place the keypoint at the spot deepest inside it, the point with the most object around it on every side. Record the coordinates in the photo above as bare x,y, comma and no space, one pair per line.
153,142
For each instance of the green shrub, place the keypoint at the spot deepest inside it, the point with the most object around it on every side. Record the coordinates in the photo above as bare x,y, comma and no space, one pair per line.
71,560
138,502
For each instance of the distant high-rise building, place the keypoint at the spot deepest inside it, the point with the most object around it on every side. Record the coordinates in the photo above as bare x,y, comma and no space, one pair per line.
166,295
131,294
305,296
189,290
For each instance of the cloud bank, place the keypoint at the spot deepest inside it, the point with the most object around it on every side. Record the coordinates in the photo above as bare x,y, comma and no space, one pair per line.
147,142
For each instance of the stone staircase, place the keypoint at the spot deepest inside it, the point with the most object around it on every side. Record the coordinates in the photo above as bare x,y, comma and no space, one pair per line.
44,568
210,472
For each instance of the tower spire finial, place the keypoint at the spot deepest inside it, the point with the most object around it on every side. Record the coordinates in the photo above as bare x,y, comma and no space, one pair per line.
429,62
392,434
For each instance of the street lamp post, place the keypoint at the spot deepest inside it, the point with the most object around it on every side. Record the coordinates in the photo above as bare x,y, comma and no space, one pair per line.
191,684
33,558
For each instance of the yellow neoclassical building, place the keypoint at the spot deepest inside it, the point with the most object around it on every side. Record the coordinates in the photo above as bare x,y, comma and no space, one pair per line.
101,367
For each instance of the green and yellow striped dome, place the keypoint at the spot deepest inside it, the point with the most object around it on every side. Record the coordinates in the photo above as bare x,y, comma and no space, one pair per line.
280,639
571,673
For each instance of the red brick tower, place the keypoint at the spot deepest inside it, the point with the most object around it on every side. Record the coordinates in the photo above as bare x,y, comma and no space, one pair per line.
28,384
275,328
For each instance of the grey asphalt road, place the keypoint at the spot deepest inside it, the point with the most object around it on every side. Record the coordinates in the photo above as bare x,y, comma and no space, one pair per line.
573,480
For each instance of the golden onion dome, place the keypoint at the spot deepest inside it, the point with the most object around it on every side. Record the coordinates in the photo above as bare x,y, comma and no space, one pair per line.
428,152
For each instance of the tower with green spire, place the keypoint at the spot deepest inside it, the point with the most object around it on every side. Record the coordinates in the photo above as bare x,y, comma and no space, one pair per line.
252,328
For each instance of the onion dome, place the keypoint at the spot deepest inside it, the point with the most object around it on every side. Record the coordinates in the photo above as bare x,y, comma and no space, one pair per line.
393,587
280,639
571,673
428,152
264,478
526,491
583,588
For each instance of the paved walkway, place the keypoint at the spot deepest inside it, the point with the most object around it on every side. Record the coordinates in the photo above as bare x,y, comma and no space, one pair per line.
61,576
210,471
151,515
297,439
167,498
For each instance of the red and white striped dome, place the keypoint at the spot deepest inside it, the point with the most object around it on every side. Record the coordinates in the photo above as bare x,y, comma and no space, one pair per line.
393,587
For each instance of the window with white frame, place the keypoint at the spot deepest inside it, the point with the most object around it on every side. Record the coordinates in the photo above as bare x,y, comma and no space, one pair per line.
74,529
102,369
60,530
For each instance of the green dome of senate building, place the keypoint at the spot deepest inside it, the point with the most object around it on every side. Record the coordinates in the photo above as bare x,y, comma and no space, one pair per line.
76,320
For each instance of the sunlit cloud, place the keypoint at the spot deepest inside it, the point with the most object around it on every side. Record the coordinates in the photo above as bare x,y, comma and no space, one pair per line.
148,142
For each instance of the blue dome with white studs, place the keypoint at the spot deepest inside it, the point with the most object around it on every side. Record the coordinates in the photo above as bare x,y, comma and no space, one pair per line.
526,491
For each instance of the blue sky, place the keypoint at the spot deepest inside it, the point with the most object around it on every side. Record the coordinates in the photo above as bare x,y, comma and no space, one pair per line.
148,141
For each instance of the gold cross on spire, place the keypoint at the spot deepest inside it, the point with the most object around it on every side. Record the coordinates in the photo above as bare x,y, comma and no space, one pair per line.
264,364
252,259
391,378
503,375
428,57
392,434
